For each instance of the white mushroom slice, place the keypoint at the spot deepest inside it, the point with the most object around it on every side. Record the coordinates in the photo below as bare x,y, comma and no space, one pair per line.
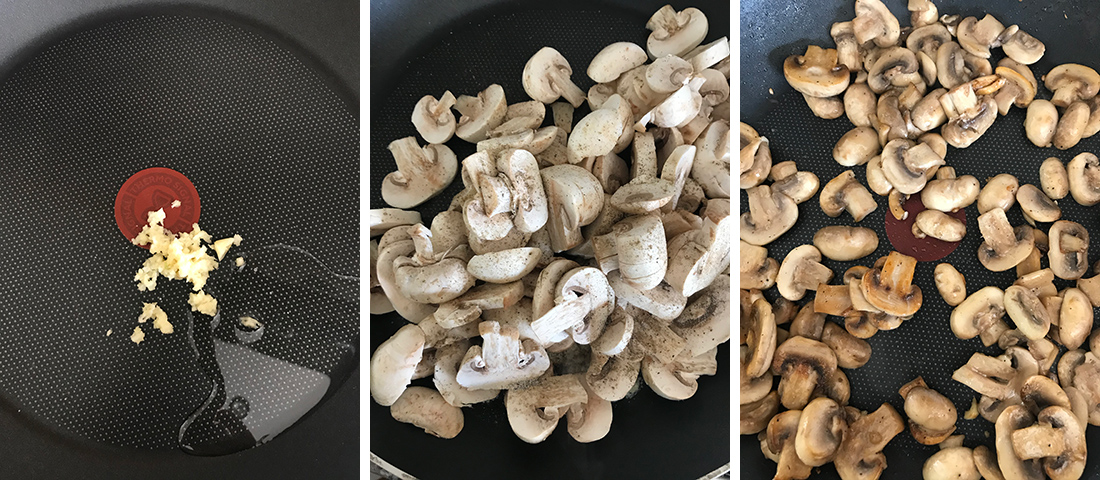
706,253
1071,82
612,377
977,36
481,113
583,301
1004,246
1020,46
533,412
675,33
905,164
1027,312
653,337
677,380
662,301
427,409
1074,318
938,225
575,198
546,78
384,268
434,282
383,219
1036,206
590,420
710,55
615,59
668,73
711,167
421,172
677,167
448,360
676,109
635,247
545,287
563,115
845,243
470,305
616,335
504,266
393,363
757,269
596,134
705,322
433,118
503,361
821,427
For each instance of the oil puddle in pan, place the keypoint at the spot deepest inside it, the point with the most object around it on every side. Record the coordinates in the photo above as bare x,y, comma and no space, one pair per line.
284,339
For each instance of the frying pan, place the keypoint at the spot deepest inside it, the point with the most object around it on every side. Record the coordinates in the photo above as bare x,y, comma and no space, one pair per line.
925,345
256,104
423,47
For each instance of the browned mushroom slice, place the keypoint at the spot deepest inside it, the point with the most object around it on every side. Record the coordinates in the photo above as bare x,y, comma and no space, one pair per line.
832,300
1071,82
1014,418
756,415
1058,438
891,288
846,193
781,433
773,215
845,243
801,270
1004,247
851,352
1084,179
1036,206
931,415
803,365
816,73
1069,244
821,427
1075,318
1027,312
761,339
860,454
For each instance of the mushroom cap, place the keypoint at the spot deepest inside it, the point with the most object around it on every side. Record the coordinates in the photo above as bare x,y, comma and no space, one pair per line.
1037,205
438,282
1053,178
851,352
529,204
956,463
448,360
929,412
1075,318
986,462
801,270
533,412
842,193
950,283
1039,391
979,311
1018,90
950,194
1084,179
1071,126
388,254
1040,123
999,192
590,420
705,321
393,364
816,73
1071,82
856,147
845,243
952,72
1068,250
574,197
875,22
677,380
964,130
421,172
480,114
761,343
615,59
675,33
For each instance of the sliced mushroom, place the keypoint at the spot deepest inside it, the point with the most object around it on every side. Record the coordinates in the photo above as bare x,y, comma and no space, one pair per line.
756,415
1018,90
1036,205
950,283
575,198
675,33
1027,312
955,66
611,377
1084,179
546,78
938,225
981,311
845,243
845,193
1071,126
860,454
895,67
1014,418
927,38
1040,123
955,463
890,287
427,409
1004,247
860,104
505,266
928,113
1057,438
851,352
583,301
422,172
856,147
800,186
1071,82
816,73
533,412
821,429
951,194
804,365
678,380
393,364
663,301
480,114
1068,254
999,192
696,258
1021,46
635,247
875,22
383,219
503,361
757,270
931,415
615,59
801,270
978,36
970,115
986,463
781,433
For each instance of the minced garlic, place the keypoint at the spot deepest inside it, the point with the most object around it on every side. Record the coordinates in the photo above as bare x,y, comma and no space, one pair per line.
174,257
160,319
203,303
138,335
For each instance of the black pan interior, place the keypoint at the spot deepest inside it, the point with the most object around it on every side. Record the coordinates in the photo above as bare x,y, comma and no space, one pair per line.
924,346
463,48
273,151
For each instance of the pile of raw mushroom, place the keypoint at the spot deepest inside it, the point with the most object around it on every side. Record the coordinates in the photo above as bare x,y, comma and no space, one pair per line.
562,270
883,78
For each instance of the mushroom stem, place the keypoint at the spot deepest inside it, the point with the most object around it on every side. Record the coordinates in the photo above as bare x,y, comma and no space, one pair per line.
798,385
561,83
996,230
898,271
422,240
408,156
832,300
761,207
445,103
1037,441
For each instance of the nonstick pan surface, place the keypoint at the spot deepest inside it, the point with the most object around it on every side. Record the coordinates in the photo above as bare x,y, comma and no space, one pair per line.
238,106
925,345
420,48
